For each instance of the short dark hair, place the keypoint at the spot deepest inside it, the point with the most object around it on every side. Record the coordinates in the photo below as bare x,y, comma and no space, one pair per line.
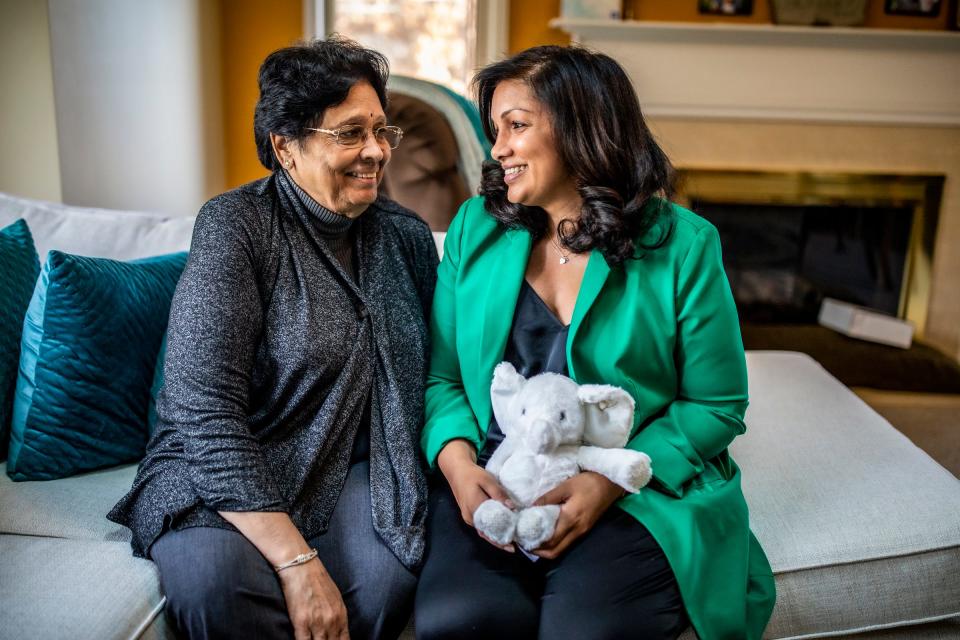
300,82
622,175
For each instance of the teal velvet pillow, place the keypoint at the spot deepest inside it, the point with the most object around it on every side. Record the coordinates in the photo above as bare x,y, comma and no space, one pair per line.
155,387
20,267
90,342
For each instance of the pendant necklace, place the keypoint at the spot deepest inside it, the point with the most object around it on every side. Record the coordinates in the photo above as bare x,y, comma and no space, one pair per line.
564,257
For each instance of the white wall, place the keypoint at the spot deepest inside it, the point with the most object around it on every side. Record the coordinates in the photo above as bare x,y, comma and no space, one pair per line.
775,72
29,164
137,92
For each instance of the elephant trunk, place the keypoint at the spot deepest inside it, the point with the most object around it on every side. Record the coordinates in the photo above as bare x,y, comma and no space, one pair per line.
542,437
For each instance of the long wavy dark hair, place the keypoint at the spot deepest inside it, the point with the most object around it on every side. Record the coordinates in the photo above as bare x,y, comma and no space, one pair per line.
623,177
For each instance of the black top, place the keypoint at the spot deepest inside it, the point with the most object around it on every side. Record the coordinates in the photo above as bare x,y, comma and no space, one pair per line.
275,352
537,344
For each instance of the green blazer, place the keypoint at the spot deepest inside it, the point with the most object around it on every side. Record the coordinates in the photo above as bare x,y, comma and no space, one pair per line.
663,327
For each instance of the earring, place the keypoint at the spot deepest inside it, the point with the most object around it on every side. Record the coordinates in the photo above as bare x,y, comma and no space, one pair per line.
288,164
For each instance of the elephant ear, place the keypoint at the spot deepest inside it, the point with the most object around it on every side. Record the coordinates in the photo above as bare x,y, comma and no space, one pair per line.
608,413
507,384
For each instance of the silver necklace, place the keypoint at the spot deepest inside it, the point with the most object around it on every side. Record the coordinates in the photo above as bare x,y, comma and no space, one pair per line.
564,257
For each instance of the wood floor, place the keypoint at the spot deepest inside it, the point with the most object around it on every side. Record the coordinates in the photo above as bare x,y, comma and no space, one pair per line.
930,420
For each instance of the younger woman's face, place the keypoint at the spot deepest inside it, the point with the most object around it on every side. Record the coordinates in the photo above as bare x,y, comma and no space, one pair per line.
525,148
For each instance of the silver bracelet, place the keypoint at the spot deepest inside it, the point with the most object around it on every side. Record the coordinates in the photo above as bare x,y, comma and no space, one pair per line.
300,559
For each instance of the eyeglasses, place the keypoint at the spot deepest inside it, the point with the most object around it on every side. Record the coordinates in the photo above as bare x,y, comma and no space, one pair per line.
355,135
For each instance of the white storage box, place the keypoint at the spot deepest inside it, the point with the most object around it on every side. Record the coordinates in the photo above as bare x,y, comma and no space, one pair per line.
858,322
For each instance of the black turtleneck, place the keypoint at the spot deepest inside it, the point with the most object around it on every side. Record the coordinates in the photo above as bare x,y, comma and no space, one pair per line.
335,228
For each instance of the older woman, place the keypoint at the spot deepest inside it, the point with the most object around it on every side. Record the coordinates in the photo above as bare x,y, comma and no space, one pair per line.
574,261
281,493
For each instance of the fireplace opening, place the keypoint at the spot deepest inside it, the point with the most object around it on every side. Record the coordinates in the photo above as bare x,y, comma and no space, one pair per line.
791,239
783,260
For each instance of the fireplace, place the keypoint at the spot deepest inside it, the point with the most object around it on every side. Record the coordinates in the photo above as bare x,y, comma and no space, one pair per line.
792,239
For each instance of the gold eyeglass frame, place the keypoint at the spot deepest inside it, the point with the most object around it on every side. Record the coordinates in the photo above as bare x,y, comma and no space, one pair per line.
335,133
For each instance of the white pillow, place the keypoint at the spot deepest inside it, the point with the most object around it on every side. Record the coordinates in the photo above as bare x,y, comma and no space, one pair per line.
106,233
101,233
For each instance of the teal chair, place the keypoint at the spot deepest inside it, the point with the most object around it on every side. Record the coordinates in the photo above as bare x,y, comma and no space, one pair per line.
437,166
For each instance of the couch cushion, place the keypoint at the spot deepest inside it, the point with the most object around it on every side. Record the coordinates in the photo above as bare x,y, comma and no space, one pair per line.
20,268
104,233
72,507
53,588
861,527
90,344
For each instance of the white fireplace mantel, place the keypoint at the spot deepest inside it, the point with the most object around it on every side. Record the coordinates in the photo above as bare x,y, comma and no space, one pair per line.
768,72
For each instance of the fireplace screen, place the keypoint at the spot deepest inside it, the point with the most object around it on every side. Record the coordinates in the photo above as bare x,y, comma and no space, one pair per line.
791,239
783,260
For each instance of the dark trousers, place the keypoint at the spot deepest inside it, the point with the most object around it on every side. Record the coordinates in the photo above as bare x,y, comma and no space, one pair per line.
219,586
614,583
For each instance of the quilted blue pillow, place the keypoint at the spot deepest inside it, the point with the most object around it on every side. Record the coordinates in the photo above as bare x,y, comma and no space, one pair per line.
90,342
156,386
20,267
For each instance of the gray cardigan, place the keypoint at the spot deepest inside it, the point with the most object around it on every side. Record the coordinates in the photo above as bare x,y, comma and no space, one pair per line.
273,353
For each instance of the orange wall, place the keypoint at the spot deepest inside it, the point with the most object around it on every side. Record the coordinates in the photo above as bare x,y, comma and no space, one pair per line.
249,30
529,24
529,18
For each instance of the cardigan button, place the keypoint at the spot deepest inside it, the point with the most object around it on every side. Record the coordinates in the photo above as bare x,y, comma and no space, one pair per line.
362,312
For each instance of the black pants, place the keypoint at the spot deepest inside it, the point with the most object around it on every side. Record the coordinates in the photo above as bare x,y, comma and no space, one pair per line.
218,585
614,583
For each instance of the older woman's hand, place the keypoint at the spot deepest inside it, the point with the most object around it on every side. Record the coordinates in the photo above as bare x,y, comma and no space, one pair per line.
582,499
314,603
470,483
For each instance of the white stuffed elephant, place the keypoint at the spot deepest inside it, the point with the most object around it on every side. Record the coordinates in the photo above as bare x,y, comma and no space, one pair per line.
553,428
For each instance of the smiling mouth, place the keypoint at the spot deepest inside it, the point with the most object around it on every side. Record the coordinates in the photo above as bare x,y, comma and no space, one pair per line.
362,176
512,171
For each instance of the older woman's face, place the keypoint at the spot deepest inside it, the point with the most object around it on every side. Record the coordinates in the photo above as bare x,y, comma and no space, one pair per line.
534,172
342,179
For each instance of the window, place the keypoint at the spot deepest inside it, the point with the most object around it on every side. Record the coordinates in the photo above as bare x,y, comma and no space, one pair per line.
439,40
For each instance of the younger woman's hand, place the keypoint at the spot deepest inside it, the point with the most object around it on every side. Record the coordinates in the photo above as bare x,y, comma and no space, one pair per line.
582,499
314,603
470,483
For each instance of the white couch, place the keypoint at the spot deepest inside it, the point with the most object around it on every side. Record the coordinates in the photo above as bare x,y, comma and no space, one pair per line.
861,527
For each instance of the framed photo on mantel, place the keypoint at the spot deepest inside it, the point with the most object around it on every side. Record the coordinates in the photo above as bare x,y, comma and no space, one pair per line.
726,7
595,9
923,8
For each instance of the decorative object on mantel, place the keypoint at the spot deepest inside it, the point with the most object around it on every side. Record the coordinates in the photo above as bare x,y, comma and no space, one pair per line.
865,324
596,9
726,7
922,8
837,13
